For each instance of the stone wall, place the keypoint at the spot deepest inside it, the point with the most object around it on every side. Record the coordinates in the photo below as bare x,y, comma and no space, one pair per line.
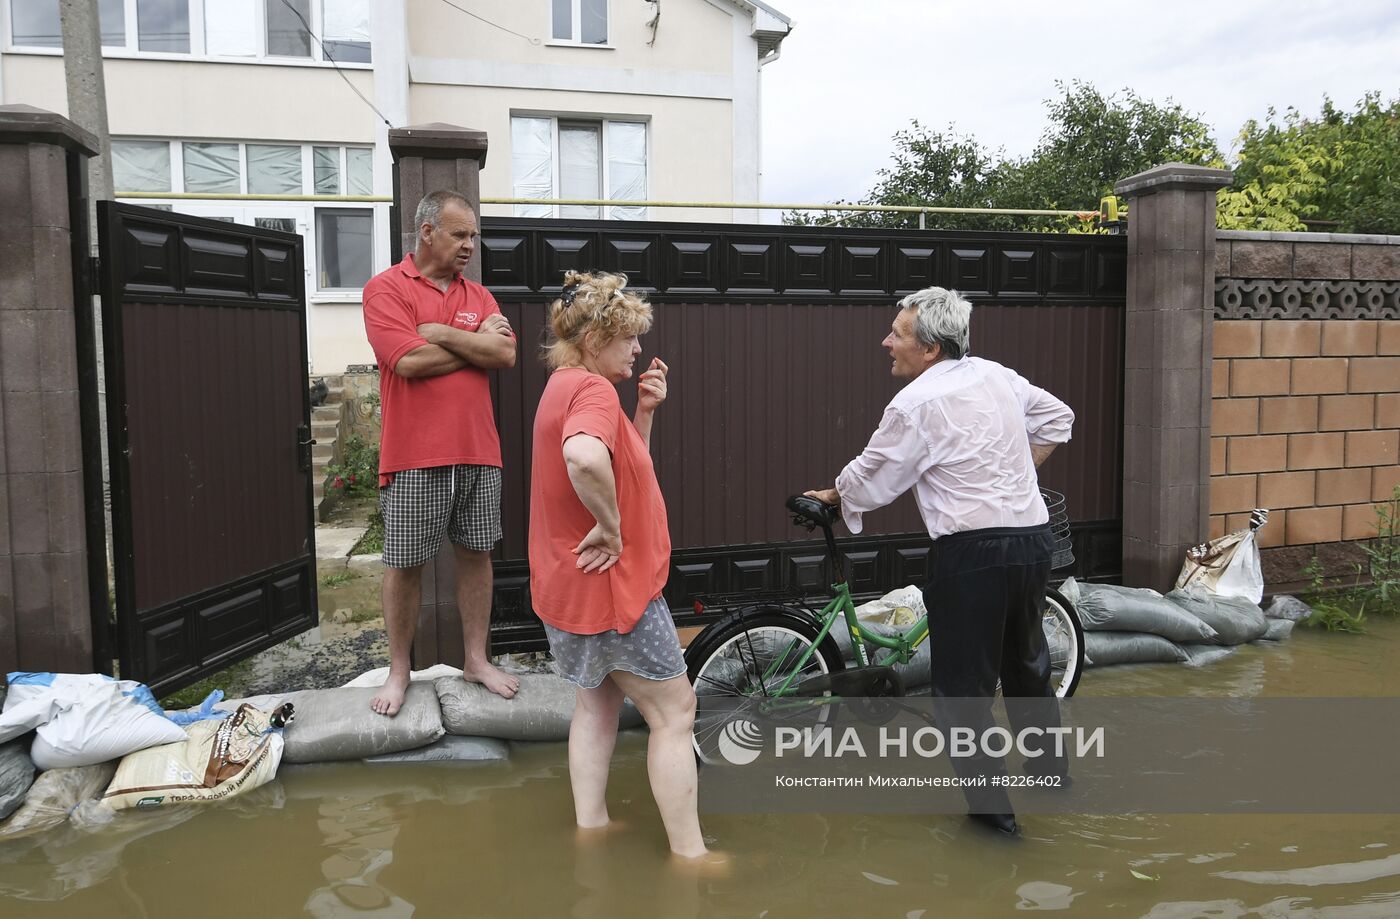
1305,418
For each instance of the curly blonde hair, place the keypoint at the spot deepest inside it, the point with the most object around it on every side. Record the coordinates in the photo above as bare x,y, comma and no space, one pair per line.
596,304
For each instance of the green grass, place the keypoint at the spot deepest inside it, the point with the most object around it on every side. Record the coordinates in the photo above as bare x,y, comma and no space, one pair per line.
372,543
233,681
335,580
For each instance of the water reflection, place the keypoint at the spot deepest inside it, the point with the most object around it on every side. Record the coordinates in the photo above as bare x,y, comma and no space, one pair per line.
359,831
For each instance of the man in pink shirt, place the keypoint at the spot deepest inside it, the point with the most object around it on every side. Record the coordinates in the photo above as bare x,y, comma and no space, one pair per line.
966,435
436,335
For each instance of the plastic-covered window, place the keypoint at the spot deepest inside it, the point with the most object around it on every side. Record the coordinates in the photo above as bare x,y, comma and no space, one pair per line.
325,169
532,163
580,168
345,30
274,170
141,165
211,168
231,28
627,167
359,171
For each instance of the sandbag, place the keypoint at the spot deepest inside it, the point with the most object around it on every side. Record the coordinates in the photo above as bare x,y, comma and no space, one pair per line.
54,794
540,710
16,775
1199,654
220,759
1109,608
1227,565
336,724
902,606
1286,607
1234,619
451,748
915,674
1104,648
83,718
1278,630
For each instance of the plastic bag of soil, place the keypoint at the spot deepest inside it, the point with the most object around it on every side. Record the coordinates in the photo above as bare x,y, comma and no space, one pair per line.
1228,565
1234,619
541,710
54,794
451,748
1109,608
915,674
337,724
1105,648
16,775
1285,607
1278,630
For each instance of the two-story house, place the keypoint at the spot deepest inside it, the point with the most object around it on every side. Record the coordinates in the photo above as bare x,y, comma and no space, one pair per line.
276,112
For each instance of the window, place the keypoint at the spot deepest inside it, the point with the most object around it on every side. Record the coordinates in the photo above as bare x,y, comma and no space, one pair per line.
274,170
562,158
583,22
230,168
344,247
212,168
141,165
212,28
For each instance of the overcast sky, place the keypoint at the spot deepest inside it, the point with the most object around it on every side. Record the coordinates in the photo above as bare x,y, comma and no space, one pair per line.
853,73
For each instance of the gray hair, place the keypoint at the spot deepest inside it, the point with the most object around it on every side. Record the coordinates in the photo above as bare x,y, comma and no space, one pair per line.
430,208
941,317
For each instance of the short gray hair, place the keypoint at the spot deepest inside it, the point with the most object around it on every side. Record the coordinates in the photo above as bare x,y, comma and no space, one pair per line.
430,208
942,318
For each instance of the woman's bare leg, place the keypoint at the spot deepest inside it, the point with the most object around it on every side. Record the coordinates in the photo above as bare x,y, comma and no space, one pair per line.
592,737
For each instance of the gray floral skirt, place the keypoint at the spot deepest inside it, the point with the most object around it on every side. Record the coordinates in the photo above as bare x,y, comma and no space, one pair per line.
651,650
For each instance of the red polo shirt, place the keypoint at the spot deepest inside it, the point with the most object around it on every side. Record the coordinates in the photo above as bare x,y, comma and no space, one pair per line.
428,421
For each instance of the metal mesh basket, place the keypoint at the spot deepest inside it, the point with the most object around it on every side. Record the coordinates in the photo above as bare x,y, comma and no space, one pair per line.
1062,556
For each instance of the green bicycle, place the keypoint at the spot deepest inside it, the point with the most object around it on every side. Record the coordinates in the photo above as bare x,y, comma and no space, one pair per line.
773,650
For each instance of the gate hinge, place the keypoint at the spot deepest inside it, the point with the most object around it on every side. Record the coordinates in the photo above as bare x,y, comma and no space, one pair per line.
94,271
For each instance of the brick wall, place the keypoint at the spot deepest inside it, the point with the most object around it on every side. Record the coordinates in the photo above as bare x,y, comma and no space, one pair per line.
1306,387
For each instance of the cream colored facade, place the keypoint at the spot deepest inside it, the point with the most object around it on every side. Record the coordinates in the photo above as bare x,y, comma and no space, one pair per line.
690,76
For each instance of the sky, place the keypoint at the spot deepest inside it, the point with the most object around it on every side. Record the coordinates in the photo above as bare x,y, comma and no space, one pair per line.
853,73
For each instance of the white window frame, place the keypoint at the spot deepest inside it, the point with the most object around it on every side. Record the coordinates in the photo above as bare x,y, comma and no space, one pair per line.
576,28
132,49
605,180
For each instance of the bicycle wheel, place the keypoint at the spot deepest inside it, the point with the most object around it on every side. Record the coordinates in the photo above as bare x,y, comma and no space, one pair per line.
1065,636
740,662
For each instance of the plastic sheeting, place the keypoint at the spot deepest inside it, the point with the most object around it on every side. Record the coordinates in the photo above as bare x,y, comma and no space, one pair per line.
231,28
345,20
627,167
532,164
274,170
580,168
359,171
141,165
325,170
211,168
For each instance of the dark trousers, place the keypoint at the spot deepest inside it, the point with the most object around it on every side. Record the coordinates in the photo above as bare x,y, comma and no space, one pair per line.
985,600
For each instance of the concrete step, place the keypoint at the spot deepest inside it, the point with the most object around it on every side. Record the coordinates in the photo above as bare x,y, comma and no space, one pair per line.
325,430
328,413
322,450
335,395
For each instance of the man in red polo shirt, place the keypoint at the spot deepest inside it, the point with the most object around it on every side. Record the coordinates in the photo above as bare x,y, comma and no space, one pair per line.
435,335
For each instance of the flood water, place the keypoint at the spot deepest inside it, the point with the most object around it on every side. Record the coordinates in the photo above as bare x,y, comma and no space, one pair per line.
355,840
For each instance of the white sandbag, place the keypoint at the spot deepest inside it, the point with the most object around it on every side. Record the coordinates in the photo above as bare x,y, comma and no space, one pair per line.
336,724
1278,630
1234,619
901,606
1109,608
219,759
451,748
377,676
1105,648
16,775
1286,607
540,710
1228,565
83,718
54,794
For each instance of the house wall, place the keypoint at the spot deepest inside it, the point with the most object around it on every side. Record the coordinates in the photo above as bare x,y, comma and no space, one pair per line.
1305,418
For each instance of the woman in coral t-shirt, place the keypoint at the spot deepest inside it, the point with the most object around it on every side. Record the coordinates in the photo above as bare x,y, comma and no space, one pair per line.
600,553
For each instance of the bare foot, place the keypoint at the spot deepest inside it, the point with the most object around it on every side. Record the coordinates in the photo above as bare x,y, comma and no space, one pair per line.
707,864
493,678
595,833
389,699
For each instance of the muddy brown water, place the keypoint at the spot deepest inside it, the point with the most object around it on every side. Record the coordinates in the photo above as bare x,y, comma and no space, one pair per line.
354,840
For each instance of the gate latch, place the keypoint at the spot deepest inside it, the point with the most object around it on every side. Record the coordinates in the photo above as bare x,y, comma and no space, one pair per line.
304,444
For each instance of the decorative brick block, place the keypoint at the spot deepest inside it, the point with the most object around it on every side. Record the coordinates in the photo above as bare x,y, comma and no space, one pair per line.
1343,486
1384,480
1220,378
1232,493
1292,338
1359,521
1329,261
1259,377
1373,448
1381,263
1289,415
1320,375
1374,374
1313,524
1217,455
1388,410
1285,489
1250,259
1316,451
1347,413
1388,337
1237,337
1234,416
1258,454
1349,337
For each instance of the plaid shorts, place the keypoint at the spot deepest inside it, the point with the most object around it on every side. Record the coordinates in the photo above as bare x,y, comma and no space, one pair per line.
420,506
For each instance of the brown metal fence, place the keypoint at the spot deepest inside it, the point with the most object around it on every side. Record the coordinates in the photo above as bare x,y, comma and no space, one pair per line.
778,379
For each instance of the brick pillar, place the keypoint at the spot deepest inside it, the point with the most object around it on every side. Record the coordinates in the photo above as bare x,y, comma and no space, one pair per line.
45,610
1167,365
428,158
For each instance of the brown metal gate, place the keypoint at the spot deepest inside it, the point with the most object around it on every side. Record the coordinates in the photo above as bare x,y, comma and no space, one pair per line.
208,414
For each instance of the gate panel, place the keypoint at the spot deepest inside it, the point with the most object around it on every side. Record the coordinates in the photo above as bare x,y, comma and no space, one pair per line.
208,420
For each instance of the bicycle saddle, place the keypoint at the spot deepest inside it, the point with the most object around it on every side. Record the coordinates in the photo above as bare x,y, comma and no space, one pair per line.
811,512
